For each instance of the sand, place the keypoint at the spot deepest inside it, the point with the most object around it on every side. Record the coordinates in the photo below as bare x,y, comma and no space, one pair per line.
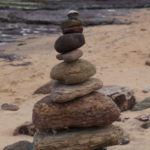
119,53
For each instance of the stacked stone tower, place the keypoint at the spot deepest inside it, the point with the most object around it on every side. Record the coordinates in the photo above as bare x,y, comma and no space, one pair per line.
74,116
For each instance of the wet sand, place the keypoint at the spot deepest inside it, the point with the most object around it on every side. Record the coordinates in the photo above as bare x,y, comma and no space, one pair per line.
119,53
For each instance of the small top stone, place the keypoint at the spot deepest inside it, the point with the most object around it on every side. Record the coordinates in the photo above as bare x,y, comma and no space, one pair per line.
73,14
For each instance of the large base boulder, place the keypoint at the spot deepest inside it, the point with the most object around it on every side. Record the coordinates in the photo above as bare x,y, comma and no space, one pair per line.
93,109
74,72
79,139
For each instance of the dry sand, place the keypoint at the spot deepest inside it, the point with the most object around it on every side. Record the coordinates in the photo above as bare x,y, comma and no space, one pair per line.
119,53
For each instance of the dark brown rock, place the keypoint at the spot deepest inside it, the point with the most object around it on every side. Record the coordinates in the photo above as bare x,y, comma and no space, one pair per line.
79,139
27,128
9,107
75,29
122,96
69,42
73,72
70,56
147,63
62,93
93,109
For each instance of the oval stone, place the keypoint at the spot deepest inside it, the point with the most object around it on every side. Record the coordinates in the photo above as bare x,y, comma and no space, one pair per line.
69,42
73,72
70,56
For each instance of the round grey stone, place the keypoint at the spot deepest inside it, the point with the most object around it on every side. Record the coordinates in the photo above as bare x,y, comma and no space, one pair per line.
74,72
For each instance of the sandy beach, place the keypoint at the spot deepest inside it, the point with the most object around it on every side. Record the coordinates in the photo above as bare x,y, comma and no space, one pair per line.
119,53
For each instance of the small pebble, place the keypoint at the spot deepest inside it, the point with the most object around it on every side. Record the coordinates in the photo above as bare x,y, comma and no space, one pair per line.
10,107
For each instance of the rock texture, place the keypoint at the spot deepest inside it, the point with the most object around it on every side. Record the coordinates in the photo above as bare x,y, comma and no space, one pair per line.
93,109
74,72
86,139
62,93
45,89
122,96
21,145
9,107
76,29
69,42
27,128
70,56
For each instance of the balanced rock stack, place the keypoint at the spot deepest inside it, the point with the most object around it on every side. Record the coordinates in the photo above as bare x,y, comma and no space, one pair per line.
74,116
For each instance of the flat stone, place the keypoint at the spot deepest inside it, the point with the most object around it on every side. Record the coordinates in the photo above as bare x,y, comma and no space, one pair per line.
21,145
79,139
75,29
70,56
122,96
93,109
62,93
44,89
9,107
74,72
145,104
71,23
69,42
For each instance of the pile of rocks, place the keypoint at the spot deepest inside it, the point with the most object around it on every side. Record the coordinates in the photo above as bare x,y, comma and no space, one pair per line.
74,116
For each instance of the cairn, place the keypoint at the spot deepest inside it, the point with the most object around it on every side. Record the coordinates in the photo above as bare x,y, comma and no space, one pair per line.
75,116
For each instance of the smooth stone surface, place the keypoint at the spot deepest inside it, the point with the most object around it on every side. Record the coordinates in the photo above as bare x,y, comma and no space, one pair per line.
84,139
69,42
62,93
21,145
122,96
145,104
93,109
71,23
75,29
74,72
70,56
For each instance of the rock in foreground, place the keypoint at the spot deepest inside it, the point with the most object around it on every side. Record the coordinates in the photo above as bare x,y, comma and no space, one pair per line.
93,109
79,139
62,93
74,72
